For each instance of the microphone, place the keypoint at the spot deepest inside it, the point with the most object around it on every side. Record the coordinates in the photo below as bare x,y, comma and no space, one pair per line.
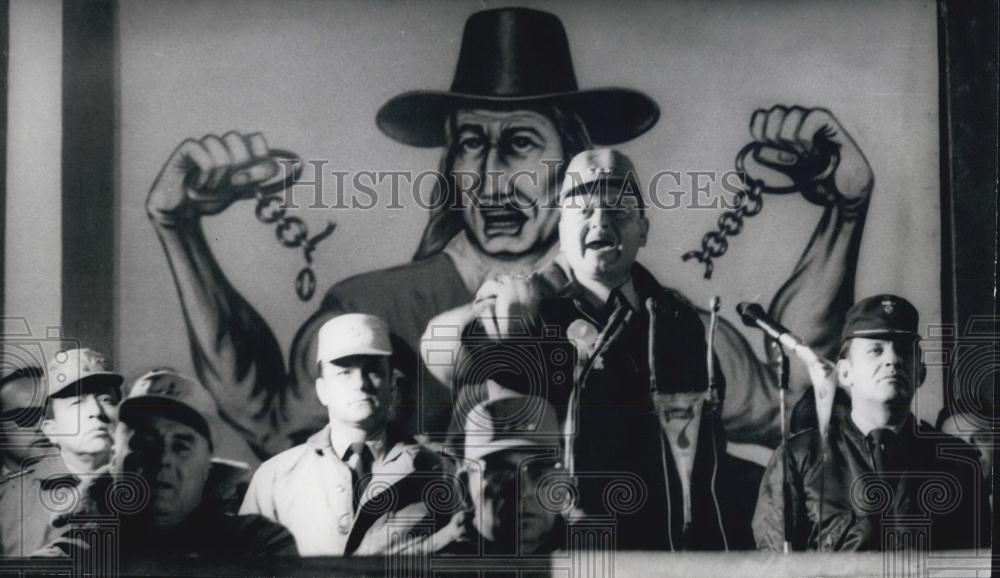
753,315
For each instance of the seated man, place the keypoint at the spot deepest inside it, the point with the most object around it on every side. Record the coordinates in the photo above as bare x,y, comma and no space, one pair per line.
22,408
328,491
511,446
648,423
155,488
969,421
81,411
885,472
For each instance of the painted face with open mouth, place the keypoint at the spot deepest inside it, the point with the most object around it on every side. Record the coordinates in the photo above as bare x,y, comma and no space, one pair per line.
506,171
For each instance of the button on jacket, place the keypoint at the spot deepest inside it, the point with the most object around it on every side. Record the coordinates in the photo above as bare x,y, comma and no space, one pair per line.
309,490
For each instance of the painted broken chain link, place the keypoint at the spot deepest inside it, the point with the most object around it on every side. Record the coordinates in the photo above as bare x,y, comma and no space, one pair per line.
749,202
291,232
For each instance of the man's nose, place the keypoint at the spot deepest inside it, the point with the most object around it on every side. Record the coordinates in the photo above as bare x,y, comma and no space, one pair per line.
94,408
359,380
166,459
494,176
891,355
600,218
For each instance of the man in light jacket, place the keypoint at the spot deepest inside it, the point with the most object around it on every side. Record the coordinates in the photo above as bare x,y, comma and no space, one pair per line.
357,486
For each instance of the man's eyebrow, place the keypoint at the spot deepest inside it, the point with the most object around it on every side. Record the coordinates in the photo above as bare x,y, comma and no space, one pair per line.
470,127
507,132
185,437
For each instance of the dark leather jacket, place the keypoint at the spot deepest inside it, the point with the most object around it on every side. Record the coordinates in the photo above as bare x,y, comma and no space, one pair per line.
624,466
932,496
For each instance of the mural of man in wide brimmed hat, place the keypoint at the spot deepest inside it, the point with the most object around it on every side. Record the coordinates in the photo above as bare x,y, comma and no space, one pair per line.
511,120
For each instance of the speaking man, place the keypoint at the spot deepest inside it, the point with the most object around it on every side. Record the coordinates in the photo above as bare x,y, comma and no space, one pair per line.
512,120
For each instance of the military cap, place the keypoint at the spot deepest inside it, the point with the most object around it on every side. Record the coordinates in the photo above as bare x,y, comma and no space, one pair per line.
509,422
604,171
881,316
168,394
81,368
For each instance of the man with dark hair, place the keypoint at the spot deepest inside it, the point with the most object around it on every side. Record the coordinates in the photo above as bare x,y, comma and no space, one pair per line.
509,124
22,408
887,481
155,489
80,416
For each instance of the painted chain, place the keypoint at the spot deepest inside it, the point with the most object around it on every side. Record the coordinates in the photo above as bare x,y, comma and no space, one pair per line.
291,231
750,201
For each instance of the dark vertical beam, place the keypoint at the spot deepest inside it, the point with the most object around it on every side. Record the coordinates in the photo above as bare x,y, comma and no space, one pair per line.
968,56
968,44
4,51
88,171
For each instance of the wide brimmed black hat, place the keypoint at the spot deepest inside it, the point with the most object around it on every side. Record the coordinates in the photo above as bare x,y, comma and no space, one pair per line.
517,58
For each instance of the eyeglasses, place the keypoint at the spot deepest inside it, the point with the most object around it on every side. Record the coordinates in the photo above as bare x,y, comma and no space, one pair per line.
23,416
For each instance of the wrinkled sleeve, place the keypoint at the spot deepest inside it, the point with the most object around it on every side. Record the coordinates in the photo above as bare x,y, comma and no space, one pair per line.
769,516
259,498
263,537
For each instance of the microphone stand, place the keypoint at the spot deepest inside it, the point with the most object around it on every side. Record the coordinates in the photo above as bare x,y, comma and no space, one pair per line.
783,371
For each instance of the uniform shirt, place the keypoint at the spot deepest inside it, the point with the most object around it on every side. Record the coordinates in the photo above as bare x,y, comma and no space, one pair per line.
29,502
308,489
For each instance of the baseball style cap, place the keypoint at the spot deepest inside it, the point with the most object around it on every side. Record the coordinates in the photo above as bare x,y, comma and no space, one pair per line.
353,334
881,316
601,171
505,423
80,367
173,396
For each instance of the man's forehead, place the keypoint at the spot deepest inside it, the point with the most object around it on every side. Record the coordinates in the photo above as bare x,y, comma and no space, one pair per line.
964,423
485,117
898,343
163,425
602,198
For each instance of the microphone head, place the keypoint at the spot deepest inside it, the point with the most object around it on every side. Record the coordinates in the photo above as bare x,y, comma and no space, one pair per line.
650,304
750,313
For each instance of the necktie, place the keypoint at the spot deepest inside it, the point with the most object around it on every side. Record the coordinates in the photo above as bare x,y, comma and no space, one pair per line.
359,459
617,299
881,440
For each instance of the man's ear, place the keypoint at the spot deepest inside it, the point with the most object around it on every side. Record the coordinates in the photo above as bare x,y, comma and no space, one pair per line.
49,429
844,376
321,390
644,223
921,374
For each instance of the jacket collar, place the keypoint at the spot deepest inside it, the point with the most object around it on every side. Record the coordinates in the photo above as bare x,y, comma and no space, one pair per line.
393,447
561,276
853,433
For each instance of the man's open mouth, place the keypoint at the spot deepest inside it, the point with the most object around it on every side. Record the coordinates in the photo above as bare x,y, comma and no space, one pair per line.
600,245
162,485
504,220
